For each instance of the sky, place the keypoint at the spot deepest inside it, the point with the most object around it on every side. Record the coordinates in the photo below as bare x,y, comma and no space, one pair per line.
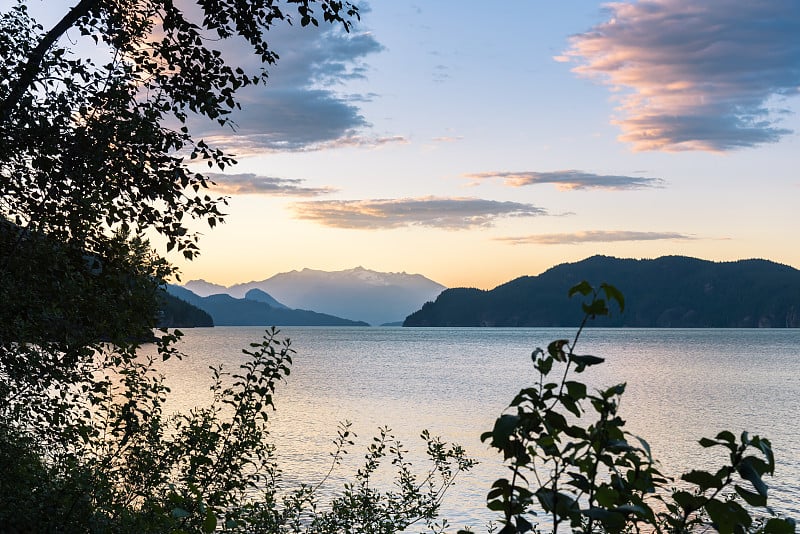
477,142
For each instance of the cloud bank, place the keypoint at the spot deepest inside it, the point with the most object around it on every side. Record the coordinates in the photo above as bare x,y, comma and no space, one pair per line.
695,75
435,212
253,184
593,236
299,109
568,179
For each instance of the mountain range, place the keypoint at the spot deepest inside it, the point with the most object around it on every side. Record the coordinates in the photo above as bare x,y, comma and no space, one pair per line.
671,291
356,294
256,309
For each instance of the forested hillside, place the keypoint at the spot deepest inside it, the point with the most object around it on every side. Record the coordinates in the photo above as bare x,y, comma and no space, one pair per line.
177,313
258,309
671,291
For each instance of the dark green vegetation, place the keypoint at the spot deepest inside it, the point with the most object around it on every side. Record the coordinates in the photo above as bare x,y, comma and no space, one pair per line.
257,309
671,292
177,313
57,294
572,462
93,154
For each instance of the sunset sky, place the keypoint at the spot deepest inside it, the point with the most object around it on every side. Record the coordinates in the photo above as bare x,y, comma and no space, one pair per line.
475,142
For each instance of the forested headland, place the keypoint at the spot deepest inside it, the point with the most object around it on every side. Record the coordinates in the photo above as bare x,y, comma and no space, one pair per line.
669,292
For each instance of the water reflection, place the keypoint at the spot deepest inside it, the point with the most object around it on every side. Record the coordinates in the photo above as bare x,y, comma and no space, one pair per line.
682,385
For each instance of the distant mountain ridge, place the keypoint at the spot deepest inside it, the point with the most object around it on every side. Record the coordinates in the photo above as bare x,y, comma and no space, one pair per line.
262,296
671,291
356,294
259,309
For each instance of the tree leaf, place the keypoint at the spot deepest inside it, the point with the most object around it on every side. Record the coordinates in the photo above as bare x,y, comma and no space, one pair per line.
753,499
586,359
210,522
612,293
703,479
748,472
780,526
584,288
728,516
179,513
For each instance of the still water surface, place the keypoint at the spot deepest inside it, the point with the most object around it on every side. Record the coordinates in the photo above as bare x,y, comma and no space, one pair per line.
682,385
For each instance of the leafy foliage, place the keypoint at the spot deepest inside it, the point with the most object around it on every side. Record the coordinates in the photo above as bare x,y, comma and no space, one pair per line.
60,305
113,461
571,459
87,144
94,152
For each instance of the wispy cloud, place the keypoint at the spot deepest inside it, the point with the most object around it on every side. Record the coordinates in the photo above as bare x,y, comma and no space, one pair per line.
593,236
695,75
243,145
253,184
568,179
435,212
299,108
441,73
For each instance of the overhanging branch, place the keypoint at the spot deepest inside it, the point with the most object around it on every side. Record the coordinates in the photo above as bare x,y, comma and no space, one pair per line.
33,64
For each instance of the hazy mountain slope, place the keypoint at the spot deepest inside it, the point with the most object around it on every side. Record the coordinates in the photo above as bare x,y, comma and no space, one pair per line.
671,291
358,294
229,311
204,289
261,296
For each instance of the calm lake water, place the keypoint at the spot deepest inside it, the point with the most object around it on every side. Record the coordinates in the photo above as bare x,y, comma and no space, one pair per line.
682,385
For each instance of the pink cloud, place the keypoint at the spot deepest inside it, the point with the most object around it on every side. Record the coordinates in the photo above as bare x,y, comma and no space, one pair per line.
567,180
694,75
435,212
593,236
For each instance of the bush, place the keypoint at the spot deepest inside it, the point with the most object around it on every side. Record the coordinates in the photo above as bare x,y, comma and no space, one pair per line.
113,462
597,477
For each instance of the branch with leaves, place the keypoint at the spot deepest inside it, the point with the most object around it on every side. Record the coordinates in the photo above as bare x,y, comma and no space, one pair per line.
571,458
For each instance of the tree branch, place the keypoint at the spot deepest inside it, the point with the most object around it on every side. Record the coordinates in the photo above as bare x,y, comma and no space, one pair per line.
33,64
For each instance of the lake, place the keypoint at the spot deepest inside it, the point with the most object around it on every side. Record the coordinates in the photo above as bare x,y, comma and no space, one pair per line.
683,384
